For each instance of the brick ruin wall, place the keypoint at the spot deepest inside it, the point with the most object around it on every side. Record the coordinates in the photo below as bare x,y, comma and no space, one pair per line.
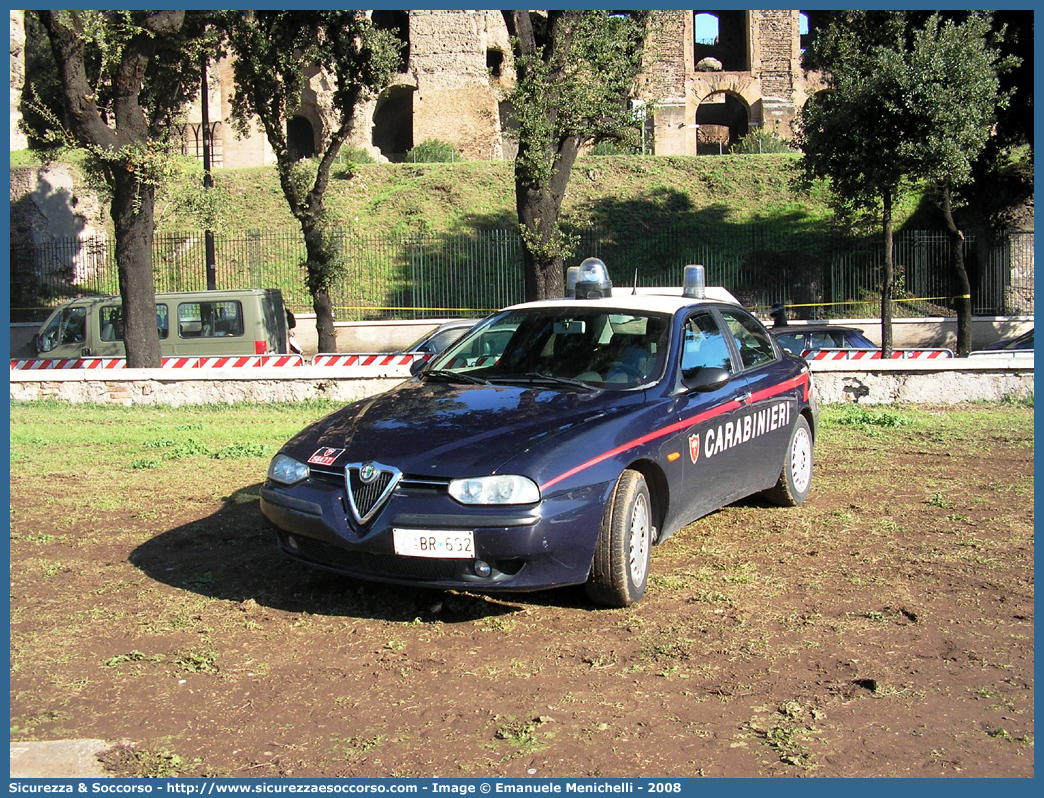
776,37
456,99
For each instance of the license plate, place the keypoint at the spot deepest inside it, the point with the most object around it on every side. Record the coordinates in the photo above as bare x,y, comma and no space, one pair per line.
436,543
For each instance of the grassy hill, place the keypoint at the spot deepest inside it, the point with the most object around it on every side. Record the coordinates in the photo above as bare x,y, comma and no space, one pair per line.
619,193
615,192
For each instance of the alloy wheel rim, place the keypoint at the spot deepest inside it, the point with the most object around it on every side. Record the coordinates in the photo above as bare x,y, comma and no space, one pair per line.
639,542
801,460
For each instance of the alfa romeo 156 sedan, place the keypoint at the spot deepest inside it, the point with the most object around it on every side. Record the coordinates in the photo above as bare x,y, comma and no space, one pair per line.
554,444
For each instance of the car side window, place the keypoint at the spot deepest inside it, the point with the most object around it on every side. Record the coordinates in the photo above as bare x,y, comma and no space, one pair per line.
704,346
443,339
792,342
755,344
828,340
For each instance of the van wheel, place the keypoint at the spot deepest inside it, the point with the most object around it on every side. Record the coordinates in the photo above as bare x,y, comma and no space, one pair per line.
795,478
620,570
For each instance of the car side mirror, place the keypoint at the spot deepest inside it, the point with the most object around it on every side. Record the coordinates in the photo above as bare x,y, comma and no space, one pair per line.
417,366
705,379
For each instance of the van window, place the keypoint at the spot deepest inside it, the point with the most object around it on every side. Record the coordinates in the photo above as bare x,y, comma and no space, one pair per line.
110,322
68,327
210,319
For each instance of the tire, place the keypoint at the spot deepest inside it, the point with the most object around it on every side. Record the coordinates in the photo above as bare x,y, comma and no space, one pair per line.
795,478
620,570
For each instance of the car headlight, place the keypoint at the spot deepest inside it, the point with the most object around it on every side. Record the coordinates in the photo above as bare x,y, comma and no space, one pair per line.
501,489
286,470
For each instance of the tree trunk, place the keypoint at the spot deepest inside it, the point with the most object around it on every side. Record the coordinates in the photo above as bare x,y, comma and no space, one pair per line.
887,279
318,285
323,306
962,300
539,207
542,263
132,206
132,216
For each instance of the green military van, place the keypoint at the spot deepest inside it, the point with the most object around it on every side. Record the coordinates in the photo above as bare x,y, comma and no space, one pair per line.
191,324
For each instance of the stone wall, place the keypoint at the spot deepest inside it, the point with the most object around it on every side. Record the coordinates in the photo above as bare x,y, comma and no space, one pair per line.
776,36
51,202
668,51
897,382
141,386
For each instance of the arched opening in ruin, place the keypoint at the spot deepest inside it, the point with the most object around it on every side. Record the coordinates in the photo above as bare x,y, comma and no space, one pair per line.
495,63
809,23
723,37
722,119
397,22
300,138
393,123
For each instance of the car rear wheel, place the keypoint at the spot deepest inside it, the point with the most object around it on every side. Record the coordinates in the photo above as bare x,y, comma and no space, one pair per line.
795,478
620,569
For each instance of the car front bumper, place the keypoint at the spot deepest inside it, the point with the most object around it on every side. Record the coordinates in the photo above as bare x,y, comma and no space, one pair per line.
549,544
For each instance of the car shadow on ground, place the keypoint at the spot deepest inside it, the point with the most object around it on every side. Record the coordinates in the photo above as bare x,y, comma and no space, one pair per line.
232,555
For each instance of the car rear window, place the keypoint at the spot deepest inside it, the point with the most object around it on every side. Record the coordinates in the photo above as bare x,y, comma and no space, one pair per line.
828,339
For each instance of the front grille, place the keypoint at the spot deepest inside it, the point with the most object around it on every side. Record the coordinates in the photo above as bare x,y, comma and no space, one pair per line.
366,495
363,500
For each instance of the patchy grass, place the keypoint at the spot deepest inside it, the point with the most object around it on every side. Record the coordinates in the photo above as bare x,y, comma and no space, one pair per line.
883,628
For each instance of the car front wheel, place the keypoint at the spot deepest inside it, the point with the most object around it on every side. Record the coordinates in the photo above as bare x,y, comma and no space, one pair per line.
620,569
795,478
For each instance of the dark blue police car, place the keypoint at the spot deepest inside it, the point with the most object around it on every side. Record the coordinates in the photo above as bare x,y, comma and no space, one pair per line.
554,444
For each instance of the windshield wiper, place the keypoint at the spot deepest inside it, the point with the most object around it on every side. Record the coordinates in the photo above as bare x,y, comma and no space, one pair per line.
537,377
456,376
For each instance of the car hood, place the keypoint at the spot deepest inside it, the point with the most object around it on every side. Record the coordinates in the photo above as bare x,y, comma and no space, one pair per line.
442,430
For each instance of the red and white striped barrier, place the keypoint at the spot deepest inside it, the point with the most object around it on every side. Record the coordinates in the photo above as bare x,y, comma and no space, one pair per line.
250,361
875,354
114,363
34,365
368,360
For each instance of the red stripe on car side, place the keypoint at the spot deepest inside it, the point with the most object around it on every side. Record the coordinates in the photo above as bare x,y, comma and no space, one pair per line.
783,387
734,404
679,425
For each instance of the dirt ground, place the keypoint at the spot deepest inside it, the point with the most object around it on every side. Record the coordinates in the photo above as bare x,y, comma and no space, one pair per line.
885,628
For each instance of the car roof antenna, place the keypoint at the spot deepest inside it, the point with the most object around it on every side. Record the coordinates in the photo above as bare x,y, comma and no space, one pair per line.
634,292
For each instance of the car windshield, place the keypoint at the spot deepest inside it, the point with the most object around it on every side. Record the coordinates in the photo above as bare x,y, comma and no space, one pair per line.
562,346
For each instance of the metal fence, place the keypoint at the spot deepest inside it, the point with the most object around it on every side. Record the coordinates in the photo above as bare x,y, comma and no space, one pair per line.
820,273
